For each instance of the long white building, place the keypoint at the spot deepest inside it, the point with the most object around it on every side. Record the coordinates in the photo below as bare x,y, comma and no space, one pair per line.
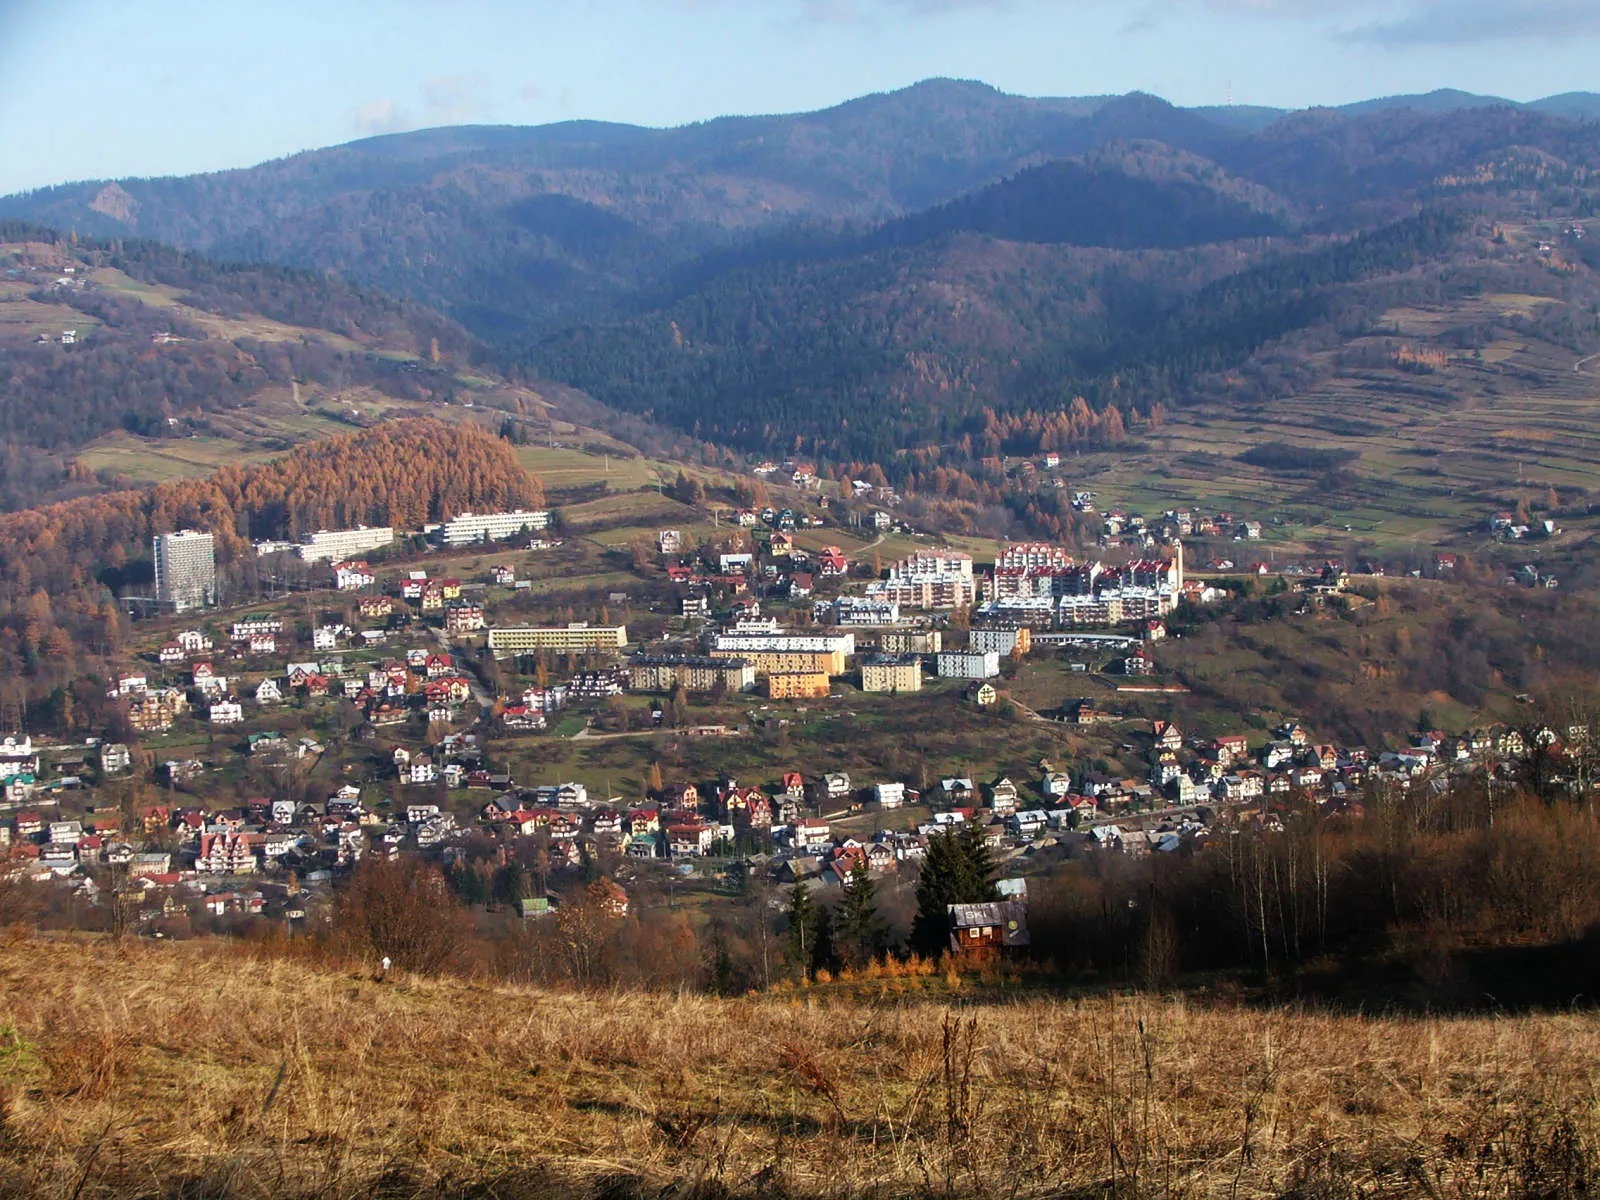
841,643
330,545
493,527
573,639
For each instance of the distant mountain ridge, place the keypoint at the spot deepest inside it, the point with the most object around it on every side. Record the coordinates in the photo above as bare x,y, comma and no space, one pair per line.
508,228
918,267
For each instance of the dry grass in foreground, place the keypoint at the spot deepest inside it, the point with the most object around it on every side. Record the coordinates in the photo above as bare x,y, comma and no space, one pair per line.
198,1070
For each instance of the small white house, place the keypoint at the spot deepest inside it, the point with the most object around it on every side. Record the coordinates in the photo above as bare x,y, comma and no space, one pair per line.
226,712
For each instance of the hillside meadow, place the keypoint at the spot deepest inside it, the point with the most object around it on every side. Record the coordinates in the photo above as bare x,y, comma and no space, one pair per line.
204,1069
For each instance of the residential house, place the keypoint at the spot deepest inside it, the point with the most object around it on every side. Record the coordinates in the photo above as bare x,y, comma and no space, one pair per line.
462,616
353,575
689,839
1027,824
956,790
1003,797
114,758
226,854
192,641
1231,747
811,833
225,712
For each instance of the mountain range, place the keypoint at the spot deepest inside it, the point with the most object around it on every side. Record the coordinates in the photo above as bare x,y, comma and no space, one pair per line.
508,229
895,264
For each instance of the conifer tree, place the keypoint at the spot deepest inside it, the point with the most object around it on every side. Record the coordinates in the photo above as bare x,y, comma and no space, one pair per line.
800,941
861,931
956,870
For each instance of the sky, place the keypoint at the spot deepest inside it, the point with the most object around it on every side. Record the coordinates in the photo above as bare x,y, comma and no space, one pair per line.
111,88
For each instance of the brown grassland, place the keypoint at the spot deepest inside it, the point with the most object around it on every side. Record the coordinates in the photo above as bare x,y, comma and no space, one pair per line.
206,1069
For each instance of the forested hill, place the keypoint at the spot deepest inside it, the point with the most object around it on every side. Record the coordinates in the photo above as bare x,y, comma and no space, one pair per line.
101,337
862,358
1071,203
518,230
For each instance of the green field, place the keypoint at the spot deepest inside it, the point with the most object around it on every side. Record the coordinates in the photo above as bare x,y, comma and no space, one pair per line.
24,320
565,467
255,327
646,510
146,460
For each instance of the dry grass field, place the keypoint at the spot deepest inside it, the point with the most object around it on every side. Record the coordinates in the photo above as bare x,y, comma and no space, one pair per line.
204,1070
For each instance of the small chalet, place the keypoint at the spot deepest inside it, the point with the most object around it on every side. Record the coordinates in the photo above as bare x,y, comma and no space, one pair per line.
988,929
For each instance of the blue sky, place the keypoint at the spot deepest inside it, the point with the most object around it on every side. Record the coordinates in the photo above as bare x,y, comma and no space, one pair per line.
96,88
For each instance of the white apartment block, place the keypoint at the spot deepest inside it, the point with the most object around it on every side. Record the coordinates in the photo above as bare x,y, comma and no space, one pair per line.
968,664
330,545
766,643
493,527
527,639
858,610
186,570
1023,556
928,579
1002,641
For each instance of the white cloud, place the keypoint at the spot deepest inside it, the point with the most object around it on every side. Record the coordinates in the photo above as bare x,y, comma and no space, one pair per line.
1459,22
380,116
441,100
454,99
1382,22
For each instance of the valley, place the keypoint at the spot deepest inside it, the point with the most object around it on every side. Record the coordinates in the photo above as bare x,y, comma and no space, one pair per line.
957,644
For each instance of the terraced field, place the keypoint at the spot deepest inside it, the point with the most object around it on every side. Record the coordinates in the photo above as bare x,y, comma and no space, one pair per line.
257,327
24,320
271,424
1437,452
567,466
